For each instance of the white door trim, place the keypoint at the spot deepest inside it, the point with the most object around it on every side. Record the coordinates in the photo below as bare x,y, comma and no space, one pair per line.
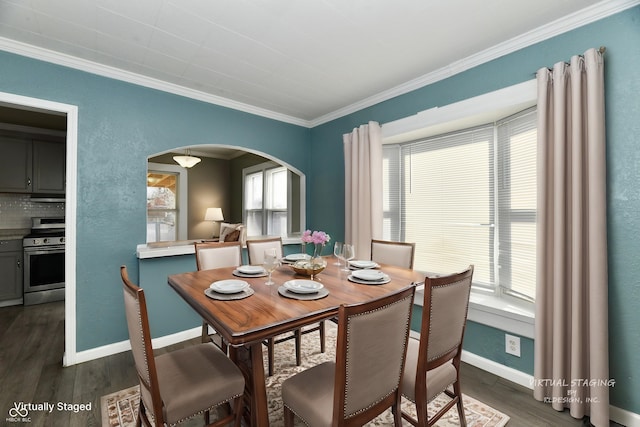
71,112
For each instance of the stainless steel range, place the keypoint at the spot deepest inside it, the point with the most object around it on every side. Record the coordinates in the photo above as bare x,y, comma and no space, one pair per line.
44,261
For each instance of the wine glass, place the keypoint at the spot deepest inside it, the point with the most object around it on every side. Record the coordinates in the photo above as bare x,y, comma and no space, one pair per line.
337,252
270,263
348,253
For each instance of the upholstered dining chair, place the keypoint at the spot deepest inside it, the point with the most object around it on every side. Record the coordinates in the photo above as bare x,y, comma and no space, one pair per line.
256,248
255,252
211,255
181,384
217,254
399,254
365,378
433,360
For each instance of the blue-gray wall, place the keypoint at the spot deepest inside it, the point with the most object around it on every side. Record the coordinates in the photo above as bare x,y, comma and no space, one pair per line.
621,36
121,124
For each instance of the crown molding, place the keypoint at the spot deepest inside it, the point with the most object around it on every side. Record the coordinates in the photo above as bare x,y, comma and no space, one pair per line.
570,22
590,14
65,60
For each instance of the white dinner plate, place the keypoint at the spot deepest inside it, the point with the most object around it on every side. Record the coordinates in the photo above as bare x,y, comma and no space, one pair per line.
296,257
251,269
372,275
363,264
301,286
229,286
385,279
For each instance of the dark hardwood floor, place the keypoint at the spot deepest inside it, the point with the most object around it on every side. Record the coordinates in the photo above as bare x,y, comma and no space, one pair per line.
32,346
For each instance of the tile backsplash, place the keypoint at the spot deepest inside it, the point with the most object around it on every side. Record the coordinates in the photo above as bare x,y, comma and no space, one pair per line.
16,210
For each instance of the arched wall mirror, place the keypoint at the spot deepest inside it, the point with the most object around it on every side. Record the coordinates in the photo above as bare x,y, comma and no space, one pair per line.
264,194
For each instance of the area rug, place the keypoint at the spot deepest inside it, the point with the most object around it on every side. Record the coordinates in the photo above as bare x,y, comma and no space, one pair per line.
120,409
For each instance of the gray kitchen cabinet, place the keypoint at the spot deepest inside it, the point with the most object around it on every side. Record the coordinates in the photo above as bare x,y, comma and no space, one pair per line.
16,162
10,270
49,172
32,165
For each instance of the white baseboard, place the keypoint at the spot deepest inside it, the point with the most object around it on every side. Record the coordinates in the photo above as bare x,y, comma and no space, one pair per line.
620,416
498,369
119,347
624,417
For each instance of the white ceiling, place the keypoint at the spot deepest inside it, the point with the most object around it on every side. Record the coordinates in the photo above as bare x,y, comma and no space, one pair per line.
300,61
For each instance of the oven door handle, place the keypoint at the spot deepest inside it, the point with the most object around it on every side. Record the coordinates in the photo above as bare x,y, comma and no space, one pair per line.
37,250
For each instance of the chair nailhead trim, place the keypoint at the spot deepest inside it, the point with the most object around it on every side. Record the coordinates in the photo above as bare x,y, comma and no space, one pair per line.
144,348
203,411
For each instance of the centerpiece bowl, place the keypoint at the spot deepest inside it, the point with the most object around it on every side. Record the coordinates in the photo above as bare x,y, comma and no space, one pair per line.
309,267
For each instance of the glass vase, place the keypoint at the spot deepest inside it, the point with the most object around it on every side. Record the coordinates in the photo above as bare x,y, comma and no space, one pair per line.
316,262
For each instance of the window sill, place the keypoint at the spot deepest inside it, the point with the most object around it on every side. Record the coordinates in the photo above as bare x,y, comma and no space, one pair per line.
184,247
500,313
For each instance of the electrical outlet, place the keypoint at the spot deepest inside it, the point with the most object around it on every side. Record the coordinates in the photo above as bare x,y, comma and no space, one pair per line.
512,344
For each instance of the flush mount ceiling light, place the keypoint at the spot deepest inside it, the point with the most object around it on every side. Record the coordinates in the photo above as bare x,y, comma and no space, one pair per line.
187,161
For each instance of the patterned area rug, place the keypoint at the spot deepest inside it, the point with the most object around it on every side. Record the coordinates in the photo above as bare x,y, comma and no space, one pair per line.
119,409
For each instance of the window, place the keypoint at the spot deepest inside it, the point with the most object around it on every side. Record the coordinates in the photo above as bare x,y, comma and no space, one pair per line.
468,197
166,203
266,200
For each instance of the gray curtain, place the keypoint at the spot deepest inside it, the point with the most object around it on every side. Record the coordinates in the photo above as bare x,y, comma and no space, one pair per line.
363,187
571,339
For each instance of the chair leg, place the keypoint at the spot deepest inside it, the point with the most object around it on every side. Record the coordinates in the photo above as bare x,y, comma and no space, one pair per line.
396,410
322,335
288,417
270,349
422,414
205,332
458,392
237,410
298,339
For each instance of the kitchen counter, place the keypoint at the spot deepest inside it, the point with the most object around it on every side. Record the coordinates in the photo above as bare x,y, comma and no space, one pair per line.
13,233
162,249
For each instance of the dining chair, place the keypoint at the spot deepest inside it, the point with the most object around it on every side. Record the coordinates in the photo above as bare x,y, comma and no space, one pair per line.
255,252
179,385
211,255
433,360
399,254
365,378
256,248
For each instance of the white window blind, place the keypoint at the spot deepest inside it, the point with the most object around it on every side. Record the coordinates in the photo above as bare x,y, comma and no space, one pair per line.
517,204
468,197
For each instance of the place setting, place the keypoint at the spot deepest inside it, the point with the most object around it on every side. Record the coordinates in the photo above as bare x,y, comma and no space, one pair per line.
229,289
303,289
250,271
369,277
362,264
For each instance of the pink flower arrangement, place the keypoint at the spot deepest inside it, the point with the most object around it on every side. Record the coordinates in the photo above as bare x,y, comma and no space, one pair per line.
316,237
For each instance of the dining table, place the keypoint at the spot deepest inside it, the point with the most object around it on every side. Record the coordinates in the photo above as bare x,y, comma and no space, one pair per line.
245,321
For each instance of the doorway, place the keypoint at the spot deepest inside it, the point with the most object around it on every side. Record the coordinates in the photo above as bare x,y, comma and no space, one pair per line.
70,112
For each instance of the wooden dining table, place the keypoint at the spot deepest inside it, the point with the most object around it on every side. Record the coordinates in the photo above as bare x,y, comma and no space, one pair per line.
246,323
